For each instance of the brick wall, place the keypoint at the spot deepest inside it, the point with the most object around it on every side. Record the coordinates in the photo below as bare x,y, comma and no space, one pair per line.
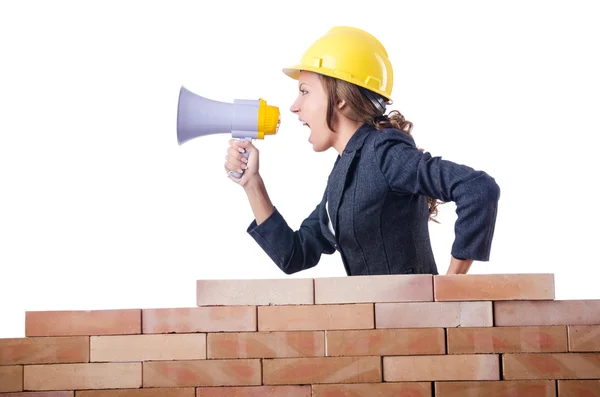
376,336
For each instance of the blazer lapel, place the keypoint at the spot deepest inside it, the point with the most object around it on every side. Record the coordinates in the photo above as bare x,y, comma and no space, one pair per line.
336,184
337,181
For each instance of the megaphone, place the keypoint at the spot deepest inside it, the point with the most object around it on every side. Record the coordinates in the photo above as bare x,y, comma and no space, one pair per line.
245,119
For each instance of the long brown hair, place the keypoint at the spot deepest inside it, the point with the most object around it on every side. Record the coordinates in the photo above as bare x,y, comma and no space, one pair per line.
360,108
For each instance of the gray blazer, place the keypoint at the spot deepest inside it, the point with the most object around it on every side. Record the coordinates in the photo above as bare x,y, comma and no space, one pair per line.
377,197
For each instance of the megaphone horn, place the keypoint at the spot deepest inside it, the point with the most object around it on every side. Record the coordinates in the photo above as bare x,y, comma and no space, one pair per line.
245,119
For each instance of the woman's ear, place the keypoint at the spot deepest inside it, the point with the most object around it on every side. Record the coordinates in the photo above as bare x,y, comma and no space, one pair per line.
341,104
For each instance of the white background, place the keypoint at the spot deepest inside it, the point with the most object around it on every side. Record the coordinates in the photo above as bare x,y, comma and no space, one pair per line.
101,209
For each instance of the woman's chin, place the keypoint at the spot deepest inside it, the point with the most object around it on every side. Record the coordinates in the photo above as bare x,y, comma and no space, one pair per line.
317,146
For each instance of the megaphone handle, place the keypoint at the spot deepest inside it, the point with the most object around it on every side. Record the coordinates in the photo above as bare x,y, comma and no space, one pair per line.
237,175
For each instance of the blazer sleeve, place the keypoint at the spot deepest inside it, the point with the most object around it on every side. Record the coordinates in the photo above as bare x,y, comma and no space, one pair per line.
292,251
475,193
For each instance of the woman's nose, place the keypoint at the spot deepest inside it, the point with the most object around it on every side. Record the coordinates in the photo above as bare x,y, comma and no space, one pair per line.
294,108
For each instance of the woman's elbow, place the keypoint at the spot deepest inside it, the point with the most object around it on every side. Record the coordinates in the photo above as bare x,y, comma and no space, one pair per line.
288,269
287,265
298,262
293,262
492,190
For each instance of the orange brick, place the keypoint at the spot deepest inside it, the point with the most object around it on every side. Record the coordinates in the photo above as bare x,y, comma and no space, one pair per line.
83,376
507,339
47,350
439,368
40,394
199,319
152,392
468,287
551,366
321,370
266,344
382,342
379,288
292,291
584,338
503,388
579,388
315,317
11,378
88,322
433,314
558,312
241,372
412,389
148,347
255,391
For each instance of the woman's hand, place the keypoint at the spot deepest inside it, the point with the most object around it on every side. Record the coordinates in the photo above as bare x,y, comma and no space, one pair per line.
236,162
459,266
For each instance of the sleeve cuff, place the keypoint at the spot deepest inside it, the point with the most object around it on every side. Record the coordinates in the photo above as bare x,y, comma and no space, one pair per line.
269,225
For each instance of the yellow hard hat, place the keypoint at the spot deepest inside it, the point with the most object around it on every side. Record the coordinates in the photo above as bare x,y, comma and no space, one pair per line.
352,55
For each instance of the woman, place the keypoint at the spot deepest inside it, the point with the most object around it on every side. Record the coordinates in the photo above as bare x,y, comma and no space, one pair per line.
382,190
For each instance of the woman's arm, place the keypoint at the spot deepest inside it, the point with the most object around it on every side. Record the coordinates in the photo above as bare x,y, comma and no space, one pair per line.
292,251
475,193
259,199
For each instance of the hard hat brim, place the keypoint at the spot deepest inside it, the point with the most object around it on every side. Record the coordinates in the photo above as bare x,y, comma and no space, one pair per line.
294,71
